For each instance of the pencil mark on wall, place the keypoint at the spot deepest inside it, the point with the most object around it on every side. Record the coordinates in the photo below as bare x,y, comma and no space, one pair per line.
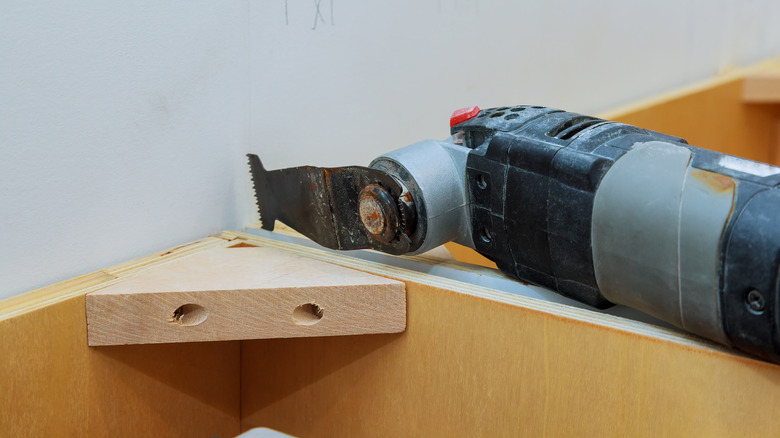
293,11
317,14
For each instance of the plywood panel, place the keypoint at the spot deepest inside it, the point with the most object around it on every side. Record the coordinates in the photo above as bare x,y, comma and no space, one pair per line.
762,88
476,362
473,361
53,384
467,255
243,292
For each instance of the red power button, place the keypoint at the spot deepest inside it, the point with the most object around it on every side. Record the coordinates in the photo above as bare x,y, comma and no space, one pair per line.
463,114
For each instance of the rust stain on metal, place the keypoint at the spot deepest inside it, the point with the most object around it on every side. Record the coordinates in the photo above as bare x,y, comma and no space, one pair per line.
716,182
372,216
333,170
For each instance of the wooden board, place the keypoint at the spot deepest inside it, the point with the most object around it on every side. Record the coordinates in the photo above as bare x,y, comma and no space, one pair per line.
243,292
762,87
467,255
477,362
473,361
53,384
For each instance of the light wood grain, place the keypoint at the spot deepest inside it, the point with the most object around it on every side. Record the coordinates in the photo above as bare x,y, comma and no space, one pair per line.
243,292
762,88
477,362
53,384
473,361
467,255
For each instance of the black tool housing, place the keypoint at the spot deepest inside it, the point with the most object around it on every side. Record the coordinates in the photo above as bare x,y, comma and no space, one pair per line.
532,174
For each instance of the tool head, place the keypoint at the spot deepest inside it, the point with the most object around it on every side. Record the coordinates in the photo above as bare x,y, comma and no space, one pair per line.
339,208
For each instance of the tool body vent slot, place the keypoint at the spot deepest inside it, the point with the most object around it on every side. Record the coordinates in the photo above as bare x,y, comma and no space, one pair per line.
570,128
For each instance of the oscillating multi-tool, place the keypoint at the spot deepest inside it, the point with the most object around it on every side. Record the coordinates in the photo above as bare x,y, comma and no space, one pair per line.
601,212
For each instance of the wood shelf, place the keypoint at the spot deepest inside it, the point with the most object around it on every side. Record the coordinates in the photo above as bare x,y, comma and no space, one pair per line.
243,291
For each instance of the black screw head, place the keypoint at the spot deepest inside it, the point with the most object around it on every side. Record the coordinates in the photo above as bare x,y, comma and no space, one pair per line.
756,302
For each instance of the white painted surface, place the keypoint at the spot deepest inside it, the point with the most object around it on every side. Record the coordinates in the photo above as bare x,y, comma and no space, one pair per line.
123,125
121,131
387,74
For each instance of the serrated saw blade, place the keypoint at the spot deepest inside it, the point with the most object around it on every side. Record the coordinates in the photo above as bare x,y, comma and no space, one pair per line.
321,203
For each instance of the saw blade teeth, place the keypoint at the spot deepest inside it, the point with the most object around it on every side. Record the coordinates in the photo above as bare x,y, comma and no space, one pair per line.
254,190
265,198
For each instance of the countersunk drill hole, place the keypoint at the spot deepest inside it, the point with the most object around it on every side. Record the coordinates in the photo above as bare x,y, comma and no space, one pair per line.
189,315
308,314
482,181
485,234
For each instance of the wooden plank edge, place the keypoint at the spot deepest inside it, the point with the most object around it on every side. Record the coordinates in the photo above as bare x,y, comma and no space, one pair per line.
427,258
554,310
726,77
84,284
225,294
359,309
465,254
762,88
446,283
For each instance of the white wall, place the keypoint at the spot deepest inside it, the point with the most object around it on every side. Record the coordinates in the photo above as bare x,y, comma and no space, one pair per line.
387,74
123,125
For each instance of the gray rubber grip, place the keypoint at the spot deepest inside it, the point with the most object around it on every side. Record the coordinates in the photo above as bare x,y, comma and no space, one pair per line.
656,233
